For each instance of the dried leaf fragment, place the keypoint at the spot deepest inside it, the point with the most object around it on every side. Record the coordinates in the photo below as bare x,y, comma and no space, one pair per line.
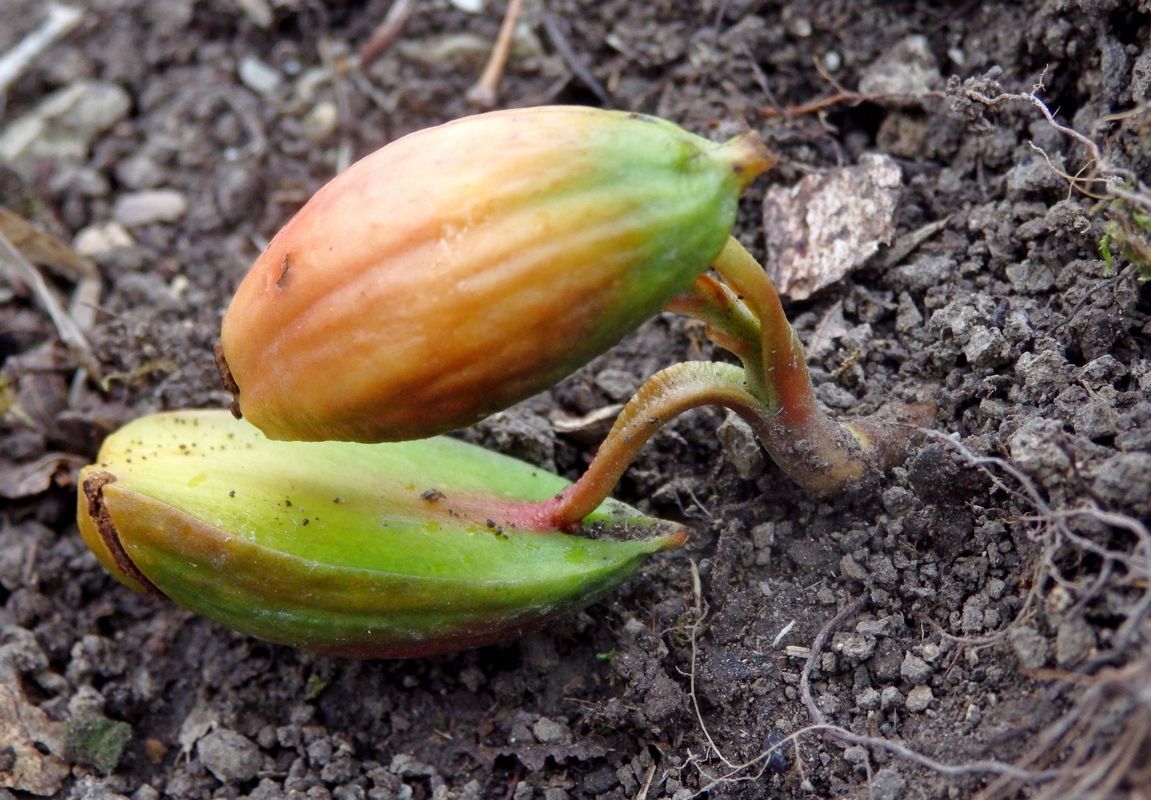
827,226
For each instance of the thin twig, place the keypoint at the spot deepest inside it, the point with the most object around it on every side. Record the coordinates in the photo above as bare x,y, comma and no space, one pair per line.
854,98
387,32
573,62
850,609
484,93
60,21
693,631
66,327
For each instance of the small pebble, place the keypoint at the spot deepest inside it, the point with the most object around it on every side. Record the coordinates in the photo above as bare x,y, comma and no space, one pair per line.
868,699
919,698
549,731
229,755
258,76
96,240
321,121
915,670
890,697
135,209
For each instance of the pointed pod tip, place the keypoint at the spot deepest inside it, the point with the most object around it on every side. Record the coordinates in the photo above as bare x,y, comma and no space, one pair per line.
670,541
750,157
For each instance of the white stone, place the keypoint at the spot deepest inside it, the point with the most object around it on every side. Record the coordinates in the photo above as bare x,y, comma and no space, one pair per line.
96,240
149,207
258,76
321,121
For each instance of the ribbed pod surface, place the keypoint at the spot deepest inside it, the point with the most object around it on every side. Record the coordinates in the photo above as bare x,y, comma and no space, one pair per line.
463,268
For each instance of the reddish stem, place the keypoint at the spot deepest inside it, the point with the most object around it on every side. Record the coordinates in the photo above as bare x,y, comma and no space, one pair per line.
663,396
786,383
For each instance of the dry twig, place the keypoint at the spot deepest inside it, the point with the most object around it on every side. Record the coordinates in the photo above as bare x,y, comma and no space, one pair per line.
60,21
484,93
21,270
388,31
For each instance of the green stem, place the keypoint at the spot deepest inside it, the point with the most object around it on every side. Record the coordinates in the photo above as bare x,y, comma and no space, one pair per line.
729,324
786,383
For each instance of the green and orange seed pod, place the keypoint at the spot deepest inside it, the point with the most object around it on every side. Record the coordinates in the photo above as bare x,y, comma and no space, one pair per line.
463,268
388,550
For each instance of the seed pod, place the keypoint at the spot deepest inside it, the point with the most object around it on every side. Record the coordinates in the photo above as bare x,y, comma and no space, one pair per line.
391,550
465,267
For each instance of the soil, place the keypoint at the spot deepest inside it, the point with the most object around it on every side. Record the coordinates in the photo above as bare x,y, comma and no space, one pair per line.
997,609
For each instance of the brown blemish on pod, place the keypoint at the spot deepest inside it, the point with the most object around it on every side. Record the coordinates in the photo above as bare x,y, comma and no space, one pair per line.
94,492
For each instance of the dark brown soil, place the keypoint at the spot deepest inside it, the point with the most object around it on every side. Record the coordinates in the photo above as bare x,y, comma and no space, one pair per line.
990,611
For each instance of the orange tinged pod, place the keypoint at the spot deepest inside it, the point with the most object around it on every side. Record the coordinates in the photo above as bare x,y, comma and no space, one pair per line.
466,267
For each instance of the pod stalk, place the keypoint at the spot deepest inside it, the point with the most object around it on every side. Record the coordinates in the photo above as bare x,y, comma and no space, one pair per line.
772,393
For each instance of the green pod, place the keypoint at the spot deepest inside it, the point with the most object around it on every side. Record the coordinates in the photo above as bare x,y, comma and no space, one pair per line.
373,551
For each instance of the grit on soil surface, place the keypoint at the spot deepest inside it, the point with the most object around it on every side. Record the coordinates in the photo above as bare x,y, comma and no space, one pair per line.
998,622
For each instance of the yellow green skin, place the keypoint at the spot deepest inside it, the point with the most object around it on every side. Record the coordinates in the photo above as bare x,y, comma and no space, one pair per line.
408,549
466,267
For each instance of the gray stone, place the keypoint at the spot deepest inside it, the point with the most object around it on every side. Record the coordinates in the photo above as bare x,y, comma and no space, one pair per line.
923,273
1124,480
229,756
261,78
986,348
139,171
907,316
856,647
87,702
618,384
835,396
898,501
21,652
548,731
909,68
321,121
971,619
850,568
149,207
891,697
874,627
406,766
919,698
1036,449
741,446
1030,278
1033,176
1141,78
1102,371
888,784
1031,647
868,699
915,670
521,433
883,571
1074,639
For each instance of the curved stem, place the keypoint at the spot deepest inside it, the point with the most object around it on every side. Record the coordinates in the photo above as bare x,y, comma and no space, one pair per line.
729,324
664,396
786,383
